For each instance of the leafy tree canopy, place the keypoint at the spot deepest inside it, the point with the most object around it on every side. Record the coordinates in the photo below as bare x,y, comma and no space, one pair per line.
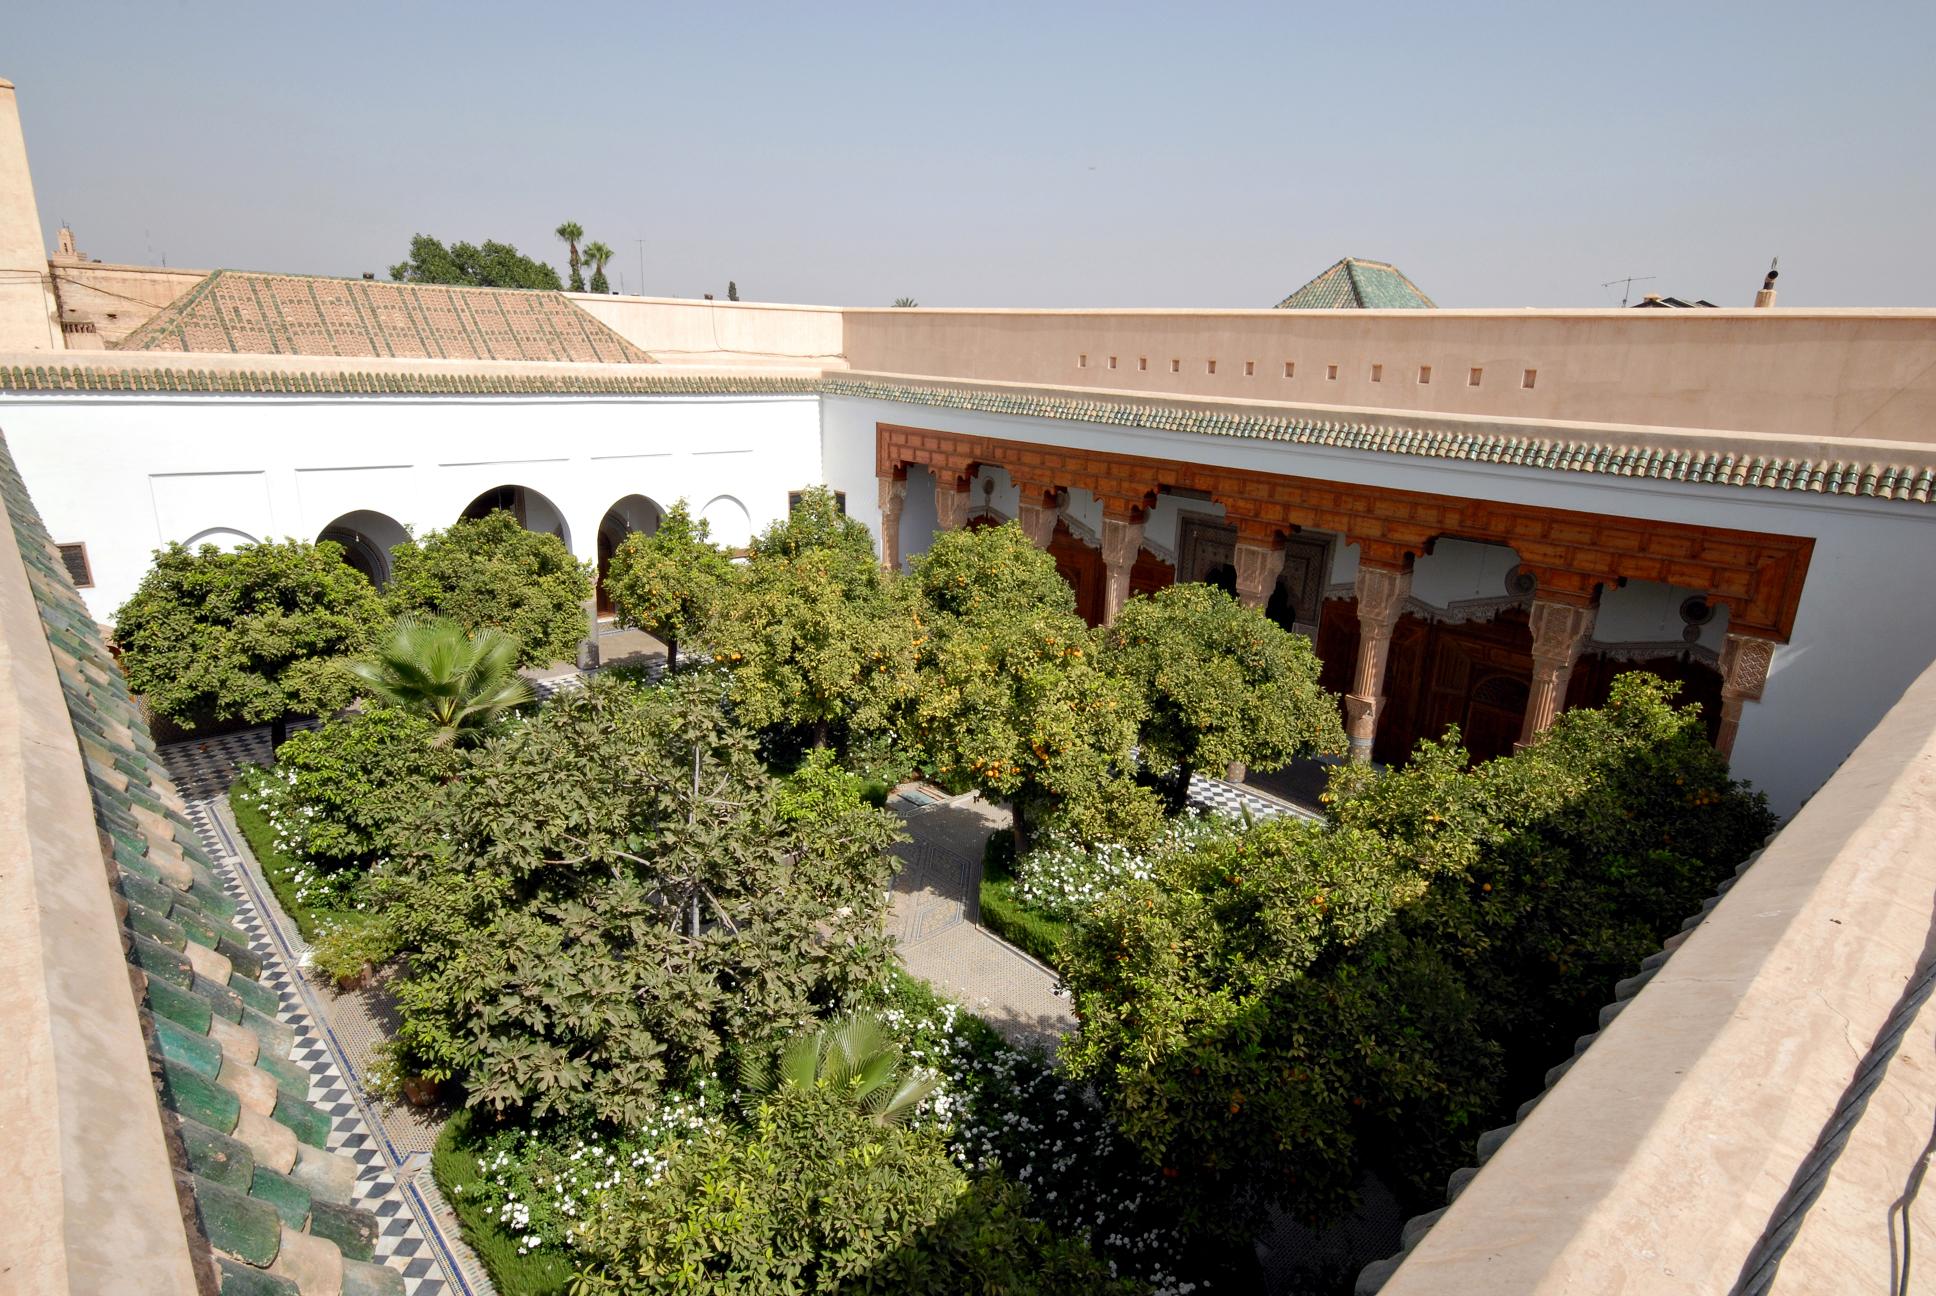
990,571
491,265
815,522
814,634
617,903
669,583
489,572
1017,706
253,634
1220,682
352,789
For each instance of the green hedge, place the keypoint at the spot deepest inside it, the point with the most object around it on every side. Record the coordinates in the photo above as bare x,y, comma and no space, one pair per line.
1004,913
454,1165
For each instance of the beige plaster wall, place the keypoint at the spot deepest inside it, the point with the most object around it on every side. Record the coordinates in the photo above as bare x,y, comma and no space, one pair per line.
1857,373
87,1198
117,299
1658,1160
680,330
27,317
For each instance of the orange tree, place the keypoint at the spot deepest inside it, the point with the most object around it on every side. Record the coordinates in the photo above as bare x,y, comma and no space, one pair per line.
1015,705
669,583
1269,1015
1220,683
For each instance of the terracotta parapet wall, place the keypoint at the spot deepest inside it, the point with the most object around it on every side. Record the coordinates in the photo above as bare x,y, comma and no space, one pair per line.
1762,1104
88,1195
1811,373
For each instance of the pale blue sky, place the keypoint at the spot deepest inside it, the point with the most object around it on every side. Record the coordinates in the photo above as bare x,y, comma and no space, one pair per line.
993,154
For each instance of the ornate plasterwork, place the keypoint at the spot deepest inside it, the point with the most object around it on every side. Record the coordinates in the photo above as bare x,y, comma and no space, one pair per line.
1571,554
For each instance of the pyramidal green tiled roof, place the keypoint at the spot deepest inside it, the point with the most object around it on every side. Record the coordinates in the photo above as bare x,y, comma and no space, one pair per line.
1356,284
269,1199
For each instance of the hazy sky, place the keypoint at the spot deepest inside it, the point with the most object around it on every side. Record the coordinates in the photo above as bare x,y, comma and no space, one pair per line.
983,154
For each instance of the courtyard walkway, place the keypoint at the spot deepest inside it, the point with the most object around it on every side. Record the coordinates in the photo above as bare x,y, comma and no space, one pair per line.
935,916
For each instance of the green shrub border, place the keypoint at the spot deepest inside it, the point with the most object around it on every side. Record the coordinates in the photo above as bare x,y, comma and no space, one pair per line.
454,1165
1004,913
279,868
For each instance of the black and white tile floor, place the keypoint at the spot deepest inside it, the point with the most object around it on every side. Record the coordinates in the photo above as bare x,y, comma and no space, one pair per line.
410,1239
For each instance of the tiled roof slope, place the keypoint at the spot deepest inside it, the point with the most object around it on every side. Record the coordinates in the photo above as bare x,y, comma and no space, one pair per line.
270,1201
274,314
1353,284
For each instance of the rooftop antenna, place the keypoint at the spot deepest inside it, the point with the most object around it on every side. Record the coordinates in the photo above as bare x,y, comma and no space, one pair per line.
641,243
1626,286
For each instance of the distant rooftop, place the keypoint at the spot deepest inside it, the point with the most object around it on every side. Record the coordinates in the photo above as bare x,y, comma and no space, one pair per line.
1354,284
274,314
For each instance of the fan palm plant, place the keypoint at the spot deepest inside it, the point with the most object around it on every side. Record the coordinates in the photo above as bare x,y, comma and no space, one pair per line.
459,681
598,254
571,232
850,1056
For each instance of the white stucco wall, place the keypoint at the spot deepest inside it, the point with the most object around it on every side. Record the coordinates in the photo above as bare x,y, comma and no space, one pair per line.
127,474
1861,633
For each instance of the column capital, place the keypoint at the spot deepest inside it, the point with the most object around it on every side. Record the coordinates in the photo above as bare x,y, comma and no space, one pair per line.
1561,627
893,498
1382,592
1121,539
950,505
1038,522
1744,666
1744,674
893,492
1258,567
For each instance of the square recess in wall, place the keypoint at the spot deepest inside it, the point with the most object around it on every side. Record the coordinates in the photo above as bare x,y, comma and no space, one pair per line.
1424,375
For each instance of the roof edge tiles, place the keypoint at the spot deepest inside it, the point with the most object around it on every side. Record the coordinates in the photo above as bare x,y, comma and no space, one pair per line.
122,970
1854,471
88,1189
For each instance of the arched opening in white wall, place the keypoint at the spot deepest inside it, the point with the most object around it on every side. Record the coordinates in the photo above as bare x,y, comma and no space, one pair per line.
532,510
224,538
729,521
634,513
367,538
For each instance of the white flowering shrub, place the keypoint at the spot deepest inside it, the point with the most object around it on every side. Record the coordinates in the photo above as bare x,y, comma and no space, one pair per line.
1064,880
1006,1111
540,1187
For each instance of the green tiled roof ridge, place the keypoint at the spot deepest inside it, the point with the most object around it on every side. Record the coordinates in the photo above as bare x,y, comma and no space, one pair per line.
225,1090
1850,478
455,382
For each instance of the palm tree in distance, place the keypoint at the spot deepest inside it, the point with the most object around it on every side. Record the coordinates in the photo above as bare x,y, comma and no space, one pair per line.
459,681
906,301
598,254
571,232
850,1056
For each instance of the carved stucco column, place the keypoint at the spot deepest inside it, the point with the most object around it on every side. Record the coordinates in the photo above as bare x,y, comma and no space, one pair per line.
1038,522
1560,630
893,497
1258,567
950,504
1744,673
1381,599
1121,541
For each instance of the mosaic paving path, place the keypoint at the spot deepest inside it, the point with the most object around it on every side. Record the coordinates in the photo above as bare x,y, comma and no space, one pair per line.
419,1235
